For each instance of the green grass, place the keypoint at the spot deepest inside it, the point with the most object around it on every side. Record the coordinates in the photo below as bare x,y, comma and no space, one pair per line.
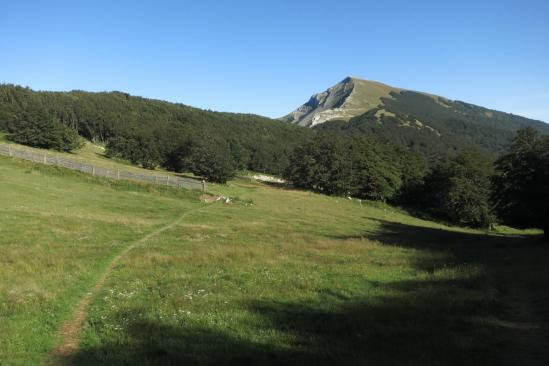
293,278
58,229
94,155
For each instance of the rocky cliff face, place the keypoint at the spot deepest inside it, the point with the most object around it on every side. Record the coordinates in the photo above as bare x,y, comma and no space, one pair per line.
349,98
426,122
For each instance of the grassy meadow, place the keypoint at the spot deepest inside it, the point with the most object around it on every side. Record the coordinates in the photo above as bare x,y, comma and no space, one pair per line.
275,277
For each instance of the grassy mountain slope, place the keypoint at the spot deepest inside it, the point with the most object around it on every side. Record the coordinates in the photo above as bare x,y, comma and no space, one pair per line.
434,125
421,121
294,278
349,98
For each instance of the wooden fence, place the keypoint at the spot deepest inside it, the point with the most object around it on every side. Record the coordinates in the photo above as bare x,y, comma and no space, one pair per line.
45,158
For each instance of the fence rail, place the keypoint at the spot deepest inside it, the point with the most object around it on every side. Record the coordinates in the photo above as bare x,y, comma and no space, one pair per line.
45,158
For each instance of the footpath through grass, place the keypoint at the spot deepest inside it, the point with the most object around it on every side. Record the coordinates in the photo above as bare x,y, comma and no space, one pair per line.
58,230
294,278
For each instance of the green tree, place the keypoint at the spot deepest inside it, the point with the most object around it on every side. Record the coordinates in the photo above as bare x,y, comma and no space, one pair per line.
376,173
458,190
346,166
204,157
322,165
138,148
148,131
42,131
413,168
521,185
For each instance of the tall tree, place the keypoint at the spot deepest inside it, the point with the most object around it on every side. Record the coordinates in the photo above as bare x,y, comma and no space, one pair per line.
521,186
457,189
205,157
346,166
39,130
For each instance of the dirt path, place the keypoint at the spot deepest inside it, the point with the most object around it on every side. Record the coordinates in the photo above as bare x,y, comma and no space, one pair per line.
70,331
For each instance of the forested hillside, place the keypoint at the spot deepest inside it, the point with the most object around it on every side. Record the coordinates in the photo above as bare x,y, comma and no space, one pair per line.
413,149
434,125
145,131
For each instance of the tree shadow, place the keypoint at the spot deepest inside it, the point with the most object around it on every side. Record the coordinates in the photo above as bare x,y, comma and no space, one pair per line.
428,321
420,237
411,328
278,185
448,247
154,343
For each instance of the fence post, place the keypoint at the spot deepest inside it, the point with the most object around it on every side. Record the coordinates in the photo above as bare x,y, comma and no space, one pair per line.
74,165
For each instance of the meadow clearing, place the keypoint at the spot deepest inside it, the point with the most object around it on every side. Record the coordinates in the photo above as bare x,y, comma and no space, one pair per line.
277,276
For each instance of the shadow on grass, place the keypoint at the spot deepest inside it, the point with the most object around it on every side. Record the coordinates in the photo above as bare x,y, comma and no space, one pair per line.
420,237
445,321
424,328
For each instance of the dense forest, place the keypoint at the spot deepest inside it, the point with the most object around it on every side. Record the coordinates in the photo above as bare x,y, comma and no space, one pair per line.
148,132
476,181
467,189
432,125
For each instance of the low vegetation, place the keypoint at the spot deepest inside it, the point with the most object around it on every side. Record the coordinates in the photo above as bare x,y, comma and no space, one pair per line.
58,228
275,277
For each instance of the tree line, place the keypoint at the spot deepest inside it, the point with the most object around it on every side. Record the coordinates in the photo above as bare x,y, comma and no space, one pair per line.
467,188
149,132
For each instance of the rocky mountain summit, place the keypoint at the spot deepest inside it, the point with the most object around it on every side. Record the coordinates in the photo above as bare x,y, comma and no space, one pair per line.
349,98
419,120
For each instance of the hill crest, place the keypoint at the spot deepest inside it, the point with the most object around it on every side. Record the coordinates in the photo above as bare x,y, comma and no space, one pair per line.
349,98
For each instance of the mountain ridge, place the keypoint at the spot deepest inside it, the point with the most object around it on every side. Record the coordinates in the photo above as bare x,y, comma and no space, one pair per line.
354,107
359,96
348,98
421,121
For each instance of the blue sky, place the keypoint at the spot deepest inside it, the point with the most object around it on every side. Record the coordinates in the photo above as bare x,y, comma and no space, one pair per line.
267,57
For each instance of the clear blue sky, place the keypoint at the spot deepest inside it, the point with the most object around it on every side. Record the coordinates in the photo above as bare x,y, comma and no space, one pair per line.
267,57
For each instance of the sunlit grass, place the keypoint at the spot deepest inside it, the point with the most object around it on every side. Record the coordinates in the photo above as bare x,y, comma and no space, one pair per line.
92,154
57,231
277,277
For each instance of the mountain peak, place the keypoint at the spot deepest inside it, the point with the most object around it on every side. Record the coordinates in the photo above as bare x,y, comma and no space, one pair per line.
349,98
